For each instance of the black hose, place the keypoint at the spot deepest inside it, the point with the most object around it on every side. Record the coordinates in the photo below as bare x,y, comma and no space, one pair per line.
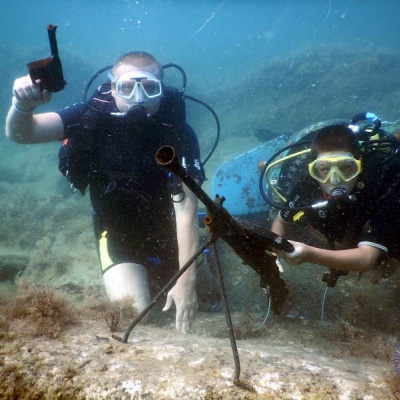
181,70
91,80
262,173
217,122
184,82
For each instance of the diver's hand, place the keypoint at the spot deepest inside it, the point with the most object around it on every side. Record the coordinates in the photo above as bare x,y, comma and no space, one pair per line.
183,294
27,94
279,265
296,257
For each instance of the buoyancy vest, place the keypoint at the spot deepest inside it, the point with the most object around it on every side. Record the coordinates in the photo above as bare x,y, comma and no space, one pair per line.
104,145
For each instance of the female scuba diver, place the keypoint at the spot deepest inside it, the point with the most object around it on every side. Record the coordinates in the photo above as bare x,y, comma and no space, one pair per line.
350,196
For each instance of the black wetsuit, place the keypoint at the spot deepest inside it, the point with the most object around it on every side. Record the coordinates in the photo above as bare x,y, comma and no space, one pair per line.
129,192
373,218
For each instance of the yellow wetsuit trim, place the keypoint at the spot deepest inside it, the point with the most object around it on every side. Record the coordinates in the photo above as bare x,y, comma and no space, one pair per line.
298,216
105,259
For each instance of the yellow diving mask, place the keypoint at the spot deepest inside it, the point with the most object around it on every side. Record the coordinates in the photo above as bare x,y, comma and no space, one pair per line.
335,168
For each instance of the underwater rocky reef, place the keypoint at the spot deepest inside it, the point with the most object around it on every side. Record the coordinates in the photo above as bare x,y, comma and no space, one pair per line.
46,238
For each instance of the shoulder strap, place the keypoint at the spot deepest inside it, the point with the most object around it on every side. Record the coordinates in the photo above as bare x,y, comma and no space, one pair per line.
74,153
99,106
172,109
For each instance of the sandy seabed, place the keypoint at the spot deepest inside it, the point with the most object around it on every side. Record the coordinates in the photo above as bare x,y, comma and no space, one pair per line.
287,358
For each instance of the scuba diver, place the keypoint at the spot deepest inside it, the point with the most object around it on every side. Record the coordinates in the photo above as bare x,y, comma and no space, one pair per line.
350,197
145,220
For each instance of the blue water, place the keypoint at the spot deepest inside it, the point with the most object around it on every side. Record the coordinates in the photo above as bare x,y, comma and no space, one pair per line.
207,37
218,43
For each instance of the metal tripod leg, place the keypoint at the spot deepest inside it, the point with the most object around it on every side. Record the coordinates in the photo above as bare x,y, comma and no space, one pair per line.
164,290
167,287
236,375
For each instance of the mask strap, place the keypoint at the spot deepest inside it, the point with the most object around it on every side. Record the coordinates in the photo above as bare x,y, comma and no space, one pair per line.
112,79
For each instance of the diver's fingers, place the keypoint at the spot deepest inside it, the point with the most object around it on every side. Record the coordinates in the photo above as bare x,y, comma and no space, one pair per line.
283,255
23,88
179,321
22,82
280,253
279,265
26,91
168,303
185,320
185,325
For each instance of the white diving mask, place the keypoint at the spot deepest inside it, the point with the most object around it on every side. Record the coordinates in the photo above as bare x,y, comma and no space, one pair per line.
137,87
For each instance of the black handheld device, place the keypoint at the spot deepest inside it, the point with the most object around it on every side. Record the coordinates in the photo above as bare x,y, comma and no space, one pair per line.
49,70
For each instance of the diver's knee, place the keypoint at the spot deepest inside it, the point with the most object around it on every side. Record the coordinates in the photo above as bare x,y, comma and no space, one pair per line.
127,279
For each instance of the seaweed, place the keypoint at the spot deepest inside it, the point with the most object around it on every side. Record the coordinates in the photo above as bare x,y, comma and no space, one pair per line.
95,305
40,311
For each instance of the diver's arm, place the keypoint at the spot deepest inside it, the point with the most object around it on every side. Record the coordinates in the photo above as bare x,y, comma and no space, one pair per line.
278,226
184,291
24,127
28,129
360,259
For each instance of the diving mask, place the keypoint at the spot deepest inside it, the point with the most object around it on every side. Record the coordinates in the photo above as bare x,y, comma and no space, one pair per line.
336,168
137,87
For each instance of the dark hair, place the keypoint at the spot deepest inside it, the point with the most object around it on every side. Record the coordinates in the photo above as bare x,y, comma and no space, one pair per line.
335,138
141,59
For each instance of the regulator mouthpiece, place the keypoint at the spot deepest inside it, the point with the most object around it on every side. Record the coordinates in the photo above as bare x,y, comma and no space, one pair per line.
136,115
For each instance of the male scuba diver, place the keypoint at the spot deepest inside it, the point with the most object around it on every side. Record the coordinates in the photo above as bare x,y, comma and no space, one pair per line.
145,221
350,197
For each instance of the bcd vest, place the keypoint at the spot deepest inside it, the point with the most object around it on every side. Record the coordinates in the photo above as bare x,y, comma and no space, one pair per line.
110,149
